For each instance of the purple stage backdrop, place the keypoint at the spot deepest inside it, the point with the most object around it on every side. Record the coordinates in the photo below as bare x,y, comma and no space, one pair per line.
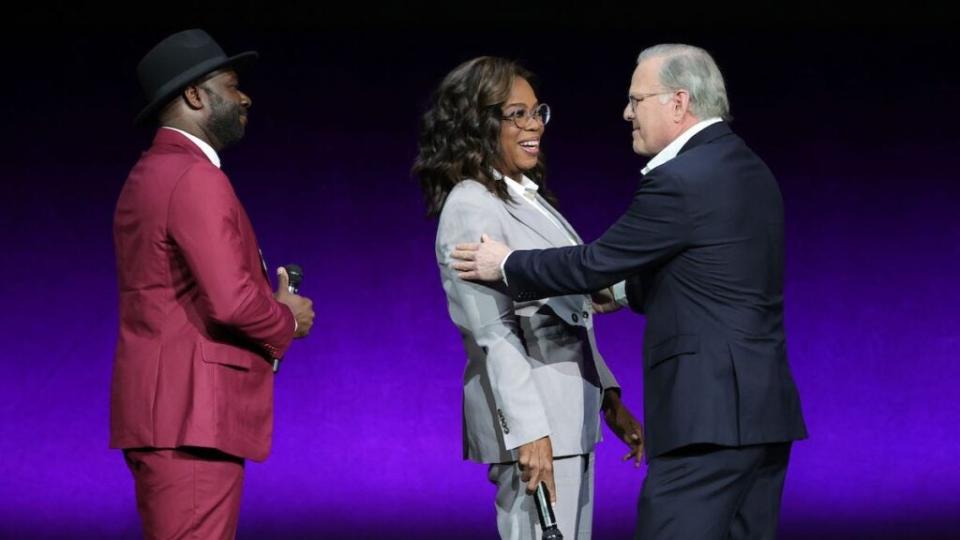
367,434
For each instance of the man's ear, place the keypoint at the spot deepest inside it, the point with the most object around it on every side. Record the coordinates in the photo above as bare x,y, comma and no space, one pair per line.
681,104
191,96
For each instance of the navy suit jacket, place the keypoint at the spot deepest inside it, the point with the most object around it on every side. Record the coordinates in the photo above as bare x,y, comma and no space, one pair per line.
702,248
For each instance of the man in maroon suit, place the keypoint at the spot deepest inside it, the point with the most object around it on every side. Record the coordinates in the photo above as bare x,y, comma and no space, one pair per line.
192,392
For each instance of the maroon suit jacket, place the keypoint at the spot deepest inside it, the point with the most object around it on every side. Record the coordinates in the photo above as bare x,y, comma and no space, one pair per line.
198,321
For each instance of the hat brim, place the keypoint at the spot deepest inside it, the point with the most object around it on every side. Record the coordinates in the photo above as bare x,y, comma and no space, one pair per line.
240,62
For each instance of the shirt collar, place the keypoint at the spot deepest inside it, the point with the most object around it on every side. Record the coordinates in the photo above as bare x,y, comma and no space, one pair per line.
671,150
204,147
525,187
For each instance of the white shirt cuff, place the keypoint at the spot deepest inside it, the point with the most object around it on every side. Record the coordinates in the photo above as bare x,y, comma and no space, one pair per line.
620,293
503,265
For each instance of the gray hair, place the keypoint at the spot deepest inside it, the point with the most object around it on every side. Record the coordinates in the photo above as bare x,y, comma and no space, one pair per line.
692,69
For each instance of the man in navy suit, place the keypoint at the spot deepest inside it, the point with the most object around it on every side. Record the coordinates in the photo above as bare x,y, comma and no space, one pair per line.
701,250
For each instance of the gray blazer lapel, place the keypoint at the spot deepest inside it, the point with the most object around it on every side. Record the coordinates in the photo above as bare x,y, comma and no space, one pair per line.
537,222
561,219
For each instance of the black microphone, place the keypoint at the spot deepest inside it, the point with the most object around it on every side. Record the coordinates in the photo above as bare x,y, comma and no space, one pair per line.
548,521
295,273
296,277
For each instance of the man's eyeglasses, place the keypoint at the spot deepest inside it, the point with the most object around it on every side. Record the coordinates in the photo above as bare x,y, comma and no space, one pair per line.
635,100
522,117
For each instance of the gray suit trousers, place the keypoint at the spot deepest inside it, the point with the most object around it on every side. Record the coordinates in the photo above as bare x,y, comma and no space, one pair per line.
517,517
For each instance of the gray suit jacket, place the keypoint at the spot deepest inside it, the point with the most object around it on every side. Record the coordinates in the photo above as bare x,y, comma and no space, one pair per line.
533,368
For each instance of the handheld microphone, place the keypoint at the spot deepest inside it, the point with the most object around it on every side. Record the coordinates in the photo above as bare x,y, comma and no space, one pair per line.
548,521
296,277
295,273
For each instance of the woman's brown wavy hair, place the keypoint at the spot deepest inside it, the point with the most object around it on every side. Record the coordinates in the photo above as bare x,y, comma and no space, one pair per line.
460,132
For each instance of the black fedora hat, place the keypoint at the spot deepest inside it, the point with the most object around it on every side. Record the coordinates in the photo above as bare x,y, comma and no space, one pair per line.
176,62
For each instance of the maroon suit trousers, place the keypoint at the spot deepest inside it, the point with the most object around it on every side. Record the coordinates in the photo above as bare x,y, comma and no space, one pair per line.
186,493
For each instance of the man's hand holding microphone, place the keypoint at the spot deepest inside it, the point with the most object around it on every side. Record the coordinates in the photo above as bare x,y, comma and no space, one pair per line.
288,283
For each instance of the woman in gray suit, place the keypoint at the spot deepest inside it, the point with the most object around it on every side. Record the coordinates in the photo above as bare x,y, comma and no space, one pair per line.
534,383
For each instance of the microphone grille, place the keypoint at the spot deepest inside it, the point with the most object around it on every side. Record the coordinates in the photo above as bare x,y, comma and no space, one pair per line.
295,273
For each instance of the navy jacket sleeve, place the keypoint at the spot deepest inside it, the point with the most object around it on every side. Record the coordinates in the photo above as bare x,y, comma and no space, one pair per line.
635,292
654,228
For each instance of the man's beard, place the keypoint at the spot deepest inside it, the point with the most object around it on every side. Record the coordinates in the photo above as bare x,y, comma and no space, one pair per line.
224,123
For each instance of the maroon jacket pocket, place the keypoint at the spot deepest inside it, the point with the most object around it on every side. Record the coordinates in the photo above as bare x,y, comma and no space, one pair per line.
226,354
